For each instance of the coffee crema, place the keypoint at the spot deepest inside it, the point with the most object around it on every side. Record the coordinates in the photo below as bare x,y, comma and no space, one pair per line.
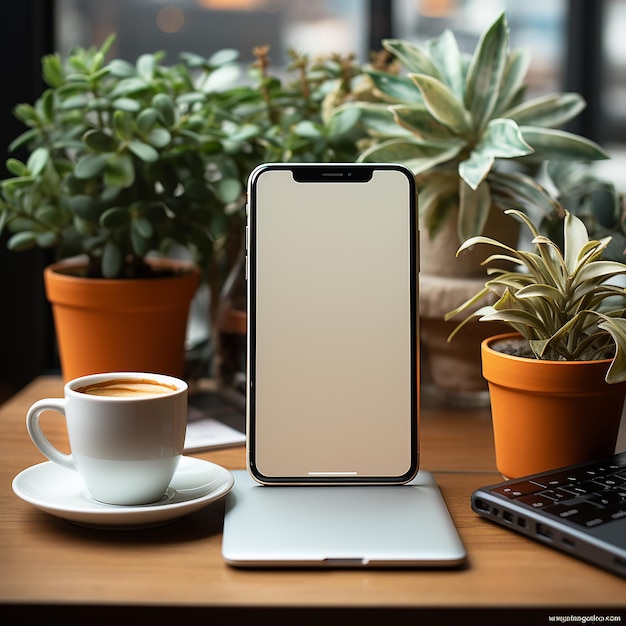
127,388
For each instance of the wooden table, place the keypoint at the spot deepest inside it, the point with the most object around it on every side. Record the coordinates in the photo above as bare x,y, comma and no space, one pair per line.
49,567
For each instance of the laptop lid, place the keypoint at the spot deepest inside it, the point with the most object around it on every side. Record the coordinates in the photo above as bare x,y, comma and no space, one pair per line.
339,526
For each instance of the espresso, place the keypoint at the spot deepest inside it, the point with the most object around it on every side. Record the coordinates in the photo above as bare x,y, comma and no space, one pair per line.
127,388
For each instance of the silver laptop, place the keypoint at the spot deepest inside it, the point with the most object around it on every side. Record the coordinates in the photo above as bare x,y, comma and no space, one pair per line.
339,526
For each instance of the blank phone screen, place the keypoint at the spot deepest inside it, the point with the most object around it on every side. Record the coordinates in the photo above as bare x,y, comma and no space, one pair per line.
332,342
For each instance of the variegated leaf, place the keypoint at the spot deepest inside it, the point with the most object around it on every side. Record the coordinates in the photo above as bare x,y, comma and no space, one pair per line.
486,70
552,110
442,103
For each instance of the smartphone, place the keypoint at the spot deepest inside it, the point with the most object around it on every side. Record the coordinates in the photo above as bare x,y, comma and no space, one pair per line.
332,342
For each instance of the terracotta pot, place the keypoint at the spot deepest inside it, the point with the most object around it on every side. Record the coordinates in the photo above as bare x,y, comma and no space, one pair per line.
548,414
105,325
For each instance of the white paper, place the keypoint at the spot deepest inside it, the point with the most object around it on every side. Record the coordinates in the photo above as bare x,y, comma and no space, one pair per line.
206,433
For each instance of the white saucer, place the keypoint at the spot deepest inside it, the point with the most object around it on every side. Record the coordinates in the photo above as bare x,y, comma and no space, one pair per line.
61,492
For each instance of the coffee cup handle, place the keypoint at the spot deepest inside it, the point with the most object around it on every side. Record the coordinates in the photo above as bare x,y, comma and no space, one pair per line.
36,434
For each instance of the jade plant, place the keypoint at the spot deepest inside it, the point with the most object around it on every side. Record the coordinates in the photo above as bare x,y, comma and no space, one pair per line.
567,305
126,159
461,124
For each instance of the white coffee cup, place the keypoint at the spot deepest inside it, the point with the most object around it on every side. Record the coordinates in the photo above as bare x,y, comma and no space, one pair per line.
126,437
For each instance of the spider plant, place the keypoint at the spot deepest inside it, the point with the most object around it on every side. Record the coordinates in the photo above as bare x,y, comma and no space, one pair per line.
566,305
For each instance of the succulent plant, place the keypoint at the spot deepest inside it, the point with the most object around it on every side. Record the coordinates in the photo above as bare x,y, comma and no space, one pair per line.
567,304
461,124
127,159
124,160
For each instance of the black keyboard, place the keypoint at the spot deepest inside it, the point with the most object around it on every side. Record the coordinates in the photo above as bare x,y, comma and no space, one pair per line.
588,495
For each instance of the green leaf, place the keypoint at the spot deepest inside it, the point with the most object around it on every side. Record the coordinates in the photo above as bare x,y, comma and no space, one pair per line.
99,104
512,187
47,105
420,122
222,57
51,216
145,66
122,124
438,198
127,104
474,170
221,78
165,106
47,240
26,113
23,139
52,70
395,88
115,217
228,189
501,139
140,244
550,144
16,167
37,161
147,119
343,121
128,87
100,141
85,207
308,129
377,119
547,292
159,137
112,260
121,69
600,269
74,102
512,84
551,110
474,207
143,151
90,165
142,227
445,52
575,238
412,57
418,157
616,327
442,104
119,171
24,240
486,71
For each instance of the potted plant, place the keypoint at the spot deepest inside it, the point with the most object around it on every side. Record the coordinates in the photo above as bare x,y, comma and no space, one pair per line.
127,160
124,161
461,124
557,384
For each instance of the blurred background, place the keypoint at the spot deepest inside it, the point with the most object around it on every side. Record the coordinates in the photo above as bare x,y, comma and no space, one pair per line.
576,45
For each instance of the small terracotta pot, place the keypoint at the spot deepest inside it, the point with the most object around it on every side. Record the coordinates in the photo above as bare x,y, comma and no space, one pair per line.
106,325
548,414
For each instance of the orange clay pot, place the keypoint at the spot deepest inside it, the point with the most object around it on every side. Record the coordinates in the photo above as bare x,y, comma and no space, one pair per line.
106,325
548,414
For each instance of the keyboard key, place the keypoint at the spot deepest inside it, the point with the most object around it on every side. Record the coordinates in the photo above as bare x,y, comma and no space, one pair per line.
578,512
536,500
556,494
516,490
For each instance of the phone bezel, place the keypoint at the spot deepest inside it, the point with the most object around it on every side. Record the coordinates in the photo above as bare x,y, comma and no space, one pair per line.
347,173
